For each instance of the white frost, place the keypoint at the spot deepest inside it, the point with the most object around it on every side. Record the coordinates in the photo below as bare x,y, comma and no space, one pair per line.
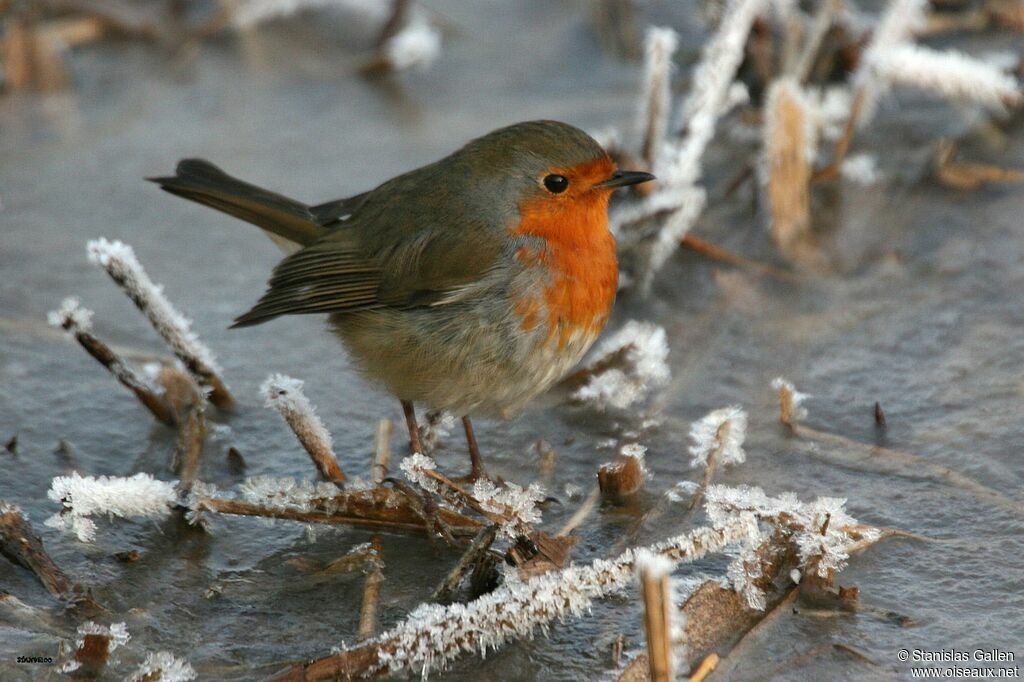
521,503
83,497
413,467
284,394
728,422
119,260
645,367
861,169
799,412
71,315
417,46
162,665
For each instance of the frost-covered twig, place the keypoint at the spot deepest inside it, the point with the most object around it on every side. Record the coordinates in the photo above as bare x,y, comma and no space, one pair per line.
481,543
433,635
791,408
653,574
717,439
655,101
679,166
378,507
949,73
512,507
77,321
83,497
285,395
119,260
246,14
626,367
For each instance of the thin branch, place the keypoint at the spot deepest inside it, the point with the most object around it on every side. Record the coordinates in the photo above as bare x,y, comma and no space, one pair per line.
371,592
119,260
77,322
481,543
285,395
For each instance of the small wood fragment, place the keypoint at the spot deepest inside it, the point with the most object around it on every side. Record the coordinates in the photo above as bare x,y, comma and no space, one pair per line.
371,592
620,479
655,592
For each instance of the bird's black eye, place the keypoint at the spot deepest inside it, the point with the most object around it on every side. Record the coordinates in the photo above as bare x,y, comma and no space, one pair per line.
556,184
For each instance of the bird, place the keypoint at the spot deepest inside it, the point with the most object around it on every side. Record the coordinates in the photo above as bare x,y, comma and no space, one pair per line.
469,285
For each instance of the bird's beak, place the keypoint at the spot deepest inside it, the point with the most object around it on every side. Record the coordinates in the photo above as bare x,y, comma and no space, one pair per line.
621,178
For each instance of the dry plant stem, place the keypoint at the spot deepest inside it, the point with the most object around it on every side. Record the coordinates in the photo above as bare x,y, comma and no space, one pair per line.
23,547
386,509
31,58
189,448
481,543
820,25
842,146
106,356
620,479
714,252
150,303
414,429
321,454
585,510
915,464
382,451
721,439
466,498
969,176
584,374
706,667
371,592
654,589
789,167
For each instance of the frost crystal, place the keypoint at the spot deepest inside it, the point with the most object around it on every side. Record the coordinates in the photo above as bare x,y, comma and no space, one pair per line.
413,467
645,367
511,498
82,497
163,666
724,429
417,46
655,100
71,315
434,635
820,529
682,491
286,493
861,169
119,260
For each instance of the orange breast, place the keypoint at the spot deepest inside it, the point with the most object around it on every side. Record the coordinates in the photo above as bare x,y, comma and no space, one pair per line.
580,258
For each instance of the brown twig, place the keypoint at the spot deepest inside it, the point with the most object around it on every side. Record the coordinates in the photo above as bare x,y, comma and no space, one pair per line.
371,592
721,440
786,147
73,319
964,175
189,406
481,543
706,667
717,253
23,547
285,395
621,479
377,508
581,514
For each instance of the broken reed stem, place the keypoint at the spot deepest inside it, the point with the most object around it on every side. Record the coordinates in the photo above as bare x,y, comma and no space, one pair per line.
391,511
788,148
721,440
581,514
382,451
659,46
23,547
371,591
706,667
820,24
75,320
656,595
120,262
285,395
715,252
189,447
481,543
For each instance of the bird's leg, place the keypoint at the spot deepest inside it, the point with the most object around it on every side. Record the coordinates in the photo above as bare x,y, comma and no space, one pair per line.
414,429
477,465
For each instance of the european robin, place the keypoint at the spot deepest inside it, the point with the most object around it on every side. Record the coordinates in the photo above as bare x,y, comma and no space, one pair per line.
470,285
